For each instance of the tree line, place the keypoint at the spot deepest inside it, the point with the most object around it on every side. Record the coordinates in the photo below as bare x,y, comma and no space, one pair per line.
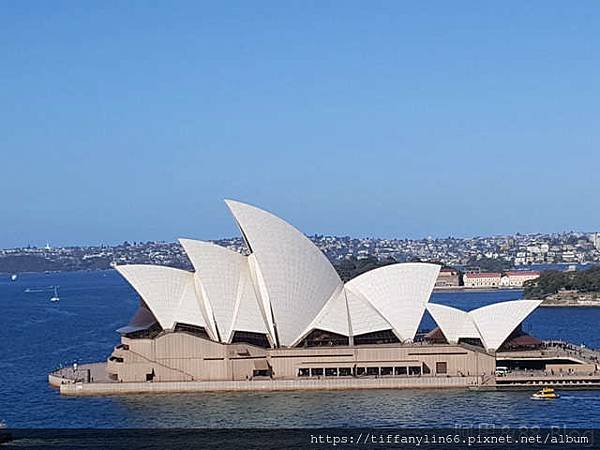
553,281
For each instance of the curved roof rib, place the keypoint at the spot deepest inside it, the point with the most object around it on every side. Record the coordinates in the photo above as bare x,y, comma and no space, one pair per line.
217,272
248,315
364,318
298,278
399,293
454,323
261,293
333,317
169,293
224,278
497,321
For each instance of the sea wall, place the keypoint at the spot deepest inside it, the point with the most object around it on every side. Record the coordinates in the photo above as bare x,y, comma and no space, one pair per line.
434,382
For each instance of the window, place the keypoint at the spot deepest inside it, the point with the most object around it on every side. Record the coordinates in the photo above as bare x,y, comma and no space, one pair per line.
387,371
303,372
426,369
320,338
316,372
191,329
345,371
400,370
261,373
149,333
441,367
331,372
377,337
360,371
372,370
257,339
476,342
414,370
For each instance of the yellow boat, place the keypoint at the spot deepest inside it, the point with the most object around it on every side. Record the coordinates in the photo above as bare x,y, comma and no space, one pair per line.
545,393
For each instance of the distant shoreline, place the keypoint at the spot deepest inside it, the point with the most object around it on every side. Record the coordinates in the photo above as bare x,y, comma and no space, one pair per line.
470,289
569,304
48,272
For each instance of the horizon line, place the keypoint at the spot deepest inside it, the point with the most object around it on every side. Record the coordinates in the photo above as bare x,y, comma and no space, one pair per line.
427,238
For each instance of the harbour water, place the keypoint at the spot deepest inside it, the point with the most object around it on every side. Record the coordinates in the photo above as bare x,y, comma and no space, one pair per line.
37,335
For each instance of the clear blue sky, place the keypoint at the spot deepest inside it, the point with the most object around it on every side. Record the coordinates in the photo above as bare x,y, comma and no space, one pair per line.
133,120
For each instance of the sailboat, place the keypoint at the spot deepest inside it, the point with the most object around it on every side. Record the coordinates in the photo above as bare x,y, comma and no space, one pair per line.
55,298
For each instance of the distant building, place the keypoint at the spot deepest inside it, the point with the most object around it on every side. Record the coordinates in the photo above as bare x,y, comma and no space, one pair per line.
596,240
447,278
518,278
482,280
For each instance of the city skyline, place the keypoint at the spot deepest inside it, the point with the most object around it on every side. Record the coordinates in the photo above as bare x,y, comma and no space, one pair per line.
235,237
393,120
497,253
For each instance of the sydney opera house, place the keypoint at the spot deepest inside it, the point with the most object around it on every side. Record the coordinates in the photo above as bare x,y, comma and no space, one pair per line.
281,312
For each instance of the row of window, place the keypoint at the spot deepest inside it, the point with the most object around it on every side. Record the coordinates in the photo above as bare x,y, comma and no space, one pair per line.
358,371
441,367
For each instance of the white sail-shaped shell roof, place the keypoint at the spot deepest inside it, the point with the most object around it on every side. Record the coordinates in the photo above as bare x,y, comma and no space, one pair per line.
360,306
298,278
493,323
333,317
224,277
348,314
399,292
497,321
286,288
363,316
169,293
454,323
248,315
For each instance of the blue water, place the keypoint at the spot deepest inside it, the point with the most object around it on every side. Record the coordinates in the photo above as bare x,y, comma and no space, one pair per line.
36,335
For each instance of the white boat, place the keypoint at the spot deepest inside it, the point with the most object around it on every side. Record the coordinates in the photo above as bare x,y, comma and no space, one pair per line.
13,277
55,298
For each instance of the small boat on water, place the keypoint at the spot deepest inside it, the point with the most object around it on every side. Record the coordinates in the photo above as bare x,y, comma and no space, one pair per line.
55,298
546,393
5,435
14,277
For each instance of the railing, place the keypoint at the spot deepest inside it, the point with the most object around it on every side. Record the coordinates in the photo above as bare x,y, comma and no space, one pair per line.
152,361
71,375
488,379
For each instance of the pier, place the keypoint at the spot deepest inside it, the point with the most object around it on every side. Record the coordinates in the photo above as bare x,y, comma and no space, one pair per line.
557,364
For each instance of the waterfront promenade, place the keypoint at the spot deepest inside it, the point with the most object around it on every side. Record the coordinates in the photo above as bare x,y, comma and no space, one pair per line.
93,379
78,386
75,384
